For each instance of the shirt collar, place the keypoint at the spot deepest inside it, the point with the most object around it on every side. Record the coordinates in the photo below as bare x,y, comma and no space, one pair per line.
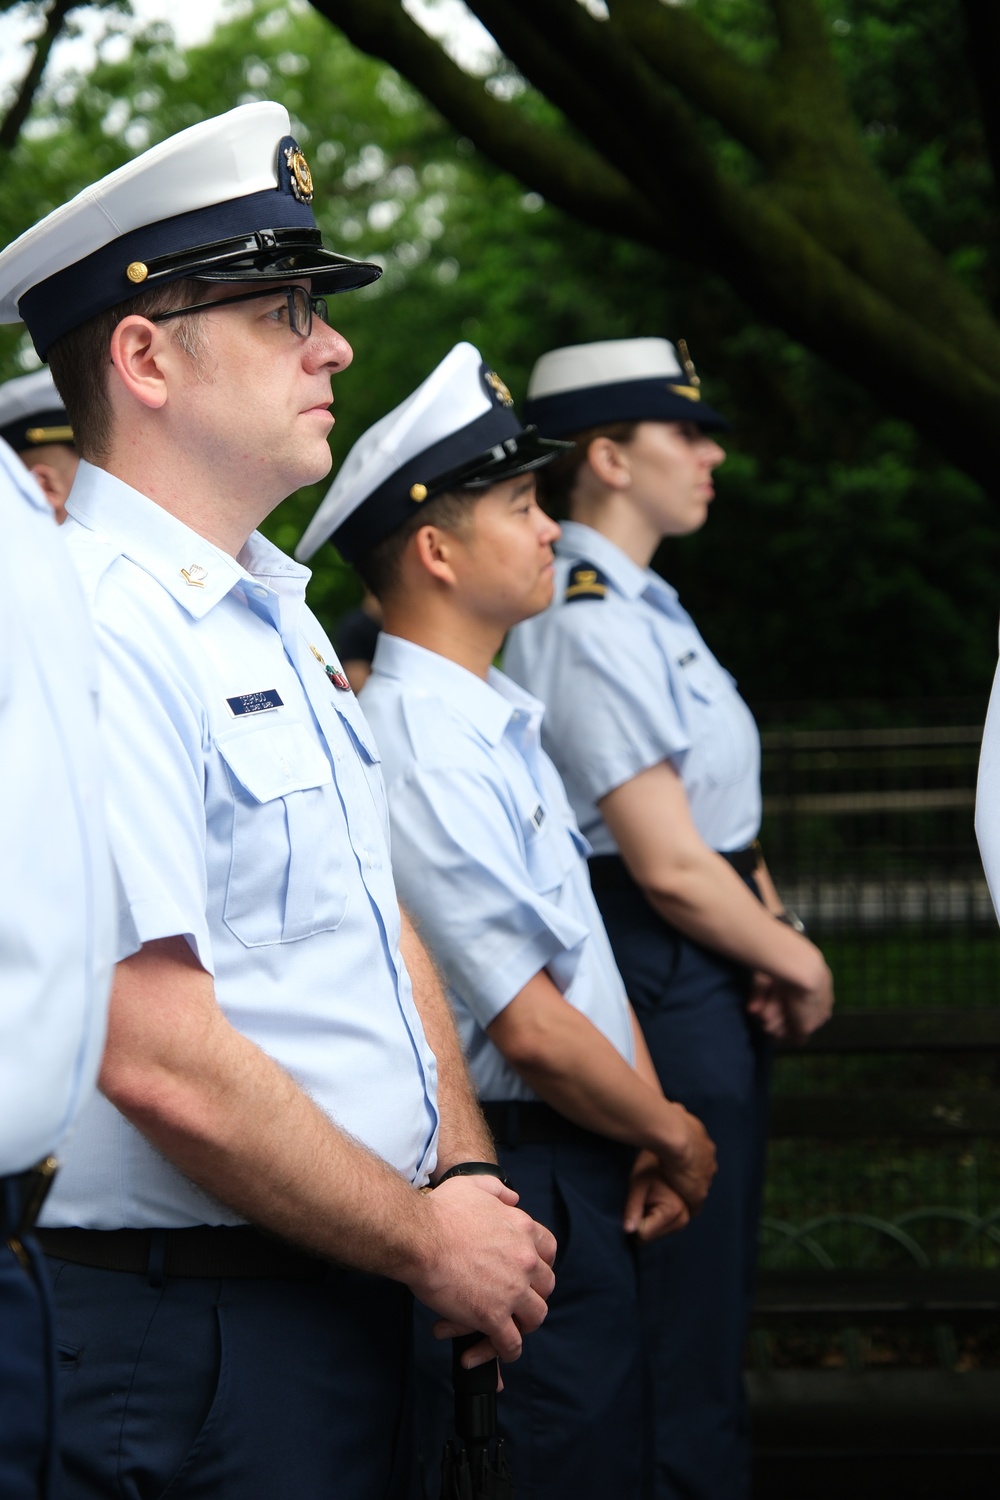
193,570
489,707
583,543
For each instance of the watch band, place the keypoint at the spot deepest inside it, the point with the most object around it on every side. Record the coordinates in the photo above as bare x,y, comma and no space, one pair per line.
475,1169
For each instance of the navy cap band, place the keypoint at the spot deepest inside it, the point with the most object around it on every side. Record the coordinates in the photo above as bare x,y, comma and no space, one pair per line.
492,448
193,245
657,400
38,429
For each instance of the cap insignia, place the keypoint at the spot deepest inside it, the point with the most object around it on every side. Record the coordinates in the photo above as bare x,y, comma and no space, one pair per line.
499,389
418,492
194,576
137,271
689,392
688,363
300,177
585,582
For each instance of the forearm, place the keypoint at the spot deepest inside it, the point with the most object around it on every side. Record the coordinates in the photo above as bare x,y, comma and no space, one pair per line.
573,1067
703,897
695,889
464,1134
236,1124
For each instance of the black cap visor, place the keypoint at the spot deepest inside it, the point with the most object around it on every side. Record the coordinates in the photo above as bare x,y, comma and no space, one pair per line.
266,255
513,456
514,452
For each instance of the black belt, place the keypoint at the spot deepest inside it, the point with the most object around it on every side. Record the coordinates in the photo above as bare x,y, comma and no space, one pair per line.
608,872
518,1122
21,1197
205,1250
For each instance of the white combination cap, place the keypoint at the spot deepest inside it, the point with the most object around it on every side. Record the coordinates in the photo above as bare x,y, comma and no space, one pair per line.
457,431
616,380
32,413
228,199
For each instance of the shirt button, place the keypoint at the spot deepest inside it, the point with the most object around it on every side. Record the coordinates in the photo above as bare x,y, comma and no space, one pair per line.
285,766
260,593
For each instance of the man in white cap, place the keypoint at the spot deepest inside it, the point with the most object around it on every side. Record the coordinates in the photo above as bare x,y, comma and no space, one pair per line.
269,1067
56,943
33,421
436,506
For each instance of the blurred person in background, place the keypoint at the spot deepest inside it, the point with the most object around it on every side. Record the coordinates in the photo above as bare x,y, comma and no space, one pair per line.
33,421
356,637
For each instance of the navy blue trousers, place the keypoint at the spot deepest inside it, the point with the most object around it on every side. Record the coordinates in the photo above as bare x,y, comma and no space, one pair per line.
696,1287
573,1411
233,1389
27,1405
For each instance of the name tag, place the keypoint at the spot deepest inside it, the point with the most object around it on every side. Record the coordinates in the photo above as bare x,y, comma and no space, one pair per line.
254,703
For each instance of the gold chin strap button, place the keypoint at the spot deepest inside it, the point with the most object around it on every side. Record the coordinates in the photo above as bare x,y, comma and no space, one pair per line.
418,492
137,271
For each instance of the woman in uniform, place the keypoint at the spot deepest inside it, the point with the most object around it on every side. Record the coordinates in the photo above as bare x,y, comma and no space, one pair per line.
661,759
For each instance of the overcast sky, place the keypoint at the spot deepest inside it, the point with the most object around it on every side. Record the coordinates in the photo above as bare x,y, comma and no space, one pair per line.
194,20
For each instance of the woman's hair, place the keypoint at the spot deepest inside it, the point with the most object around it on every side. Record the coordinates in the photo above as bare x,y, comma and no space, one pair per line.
79,360
557,480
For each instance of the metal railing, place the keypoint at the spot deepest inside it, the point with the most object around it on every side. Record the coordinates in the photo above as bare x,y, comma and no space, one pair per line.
868,831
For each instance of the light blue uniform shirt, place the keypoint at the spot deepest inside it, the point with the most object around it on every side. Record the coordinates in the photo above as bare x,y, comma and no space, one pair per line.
246,813
988,795
486,851
56,897
628,682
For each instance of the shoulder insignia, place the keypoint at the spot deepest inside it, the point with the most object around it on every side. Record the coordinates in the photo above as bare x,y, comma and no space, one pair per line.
585,582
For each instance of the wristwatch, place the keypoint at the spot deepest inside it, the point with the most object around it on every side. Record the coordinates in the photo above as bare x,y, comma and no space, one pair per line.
476,1169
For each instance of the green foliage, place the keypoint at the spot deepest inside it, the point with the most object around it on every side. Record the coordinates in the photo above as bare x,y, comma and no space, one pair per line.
843,556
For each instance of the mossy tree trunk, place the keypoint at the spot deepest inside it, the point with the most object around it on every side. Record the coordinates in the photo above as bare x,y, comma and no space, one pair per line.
794,214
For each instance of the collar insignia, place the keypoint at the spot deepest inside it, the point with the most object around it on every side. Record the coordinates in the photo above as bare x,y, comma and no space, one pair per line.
194,576
585,582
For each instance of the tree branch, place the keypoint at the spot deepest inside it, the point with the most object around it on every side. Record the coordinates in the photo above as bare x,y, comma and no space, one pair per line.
596,78
563,171
15,117
685,54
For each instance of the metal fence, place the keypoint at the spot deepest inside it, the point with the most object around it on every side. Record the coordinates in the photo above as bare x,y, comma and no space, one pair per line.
868,831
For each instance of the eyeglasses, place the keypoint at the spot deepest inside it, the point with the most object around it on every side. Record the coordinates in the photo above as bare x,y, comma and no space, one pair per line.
302,307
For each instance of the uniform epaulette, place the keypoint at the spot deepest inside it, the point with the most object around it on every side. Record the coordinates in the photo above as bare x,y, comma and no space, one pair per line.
585,582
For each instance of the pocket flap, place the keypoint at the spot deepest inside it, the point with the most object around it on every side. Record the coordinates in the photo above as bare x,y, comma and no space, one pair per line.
272,760
703,682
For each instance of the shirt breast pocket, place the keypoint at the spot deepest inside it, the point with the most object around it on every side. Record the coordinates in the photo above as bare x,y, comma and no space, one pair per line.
550,852
718,744
286,880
